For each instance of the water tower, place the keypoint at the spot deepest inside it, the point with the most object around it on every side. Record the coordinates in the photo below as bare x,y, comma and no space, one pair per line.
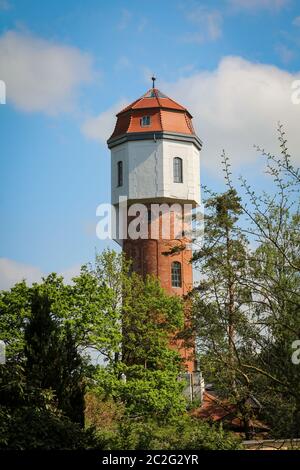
155,160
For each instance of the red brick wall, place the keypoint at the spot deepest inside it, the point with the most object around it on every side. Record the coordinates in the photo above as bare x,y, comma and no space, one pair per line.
149,257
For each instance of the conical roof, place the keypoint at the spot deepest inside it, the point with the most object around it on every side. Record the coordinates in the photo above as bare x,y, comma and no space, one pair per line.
153,98
164,115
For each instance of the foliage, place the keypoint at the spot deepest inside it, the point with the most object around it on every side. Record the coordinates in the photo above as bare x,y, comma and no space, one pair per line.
87,306
145,377
144,392
33,427
118,431
102,413
51,359
54,323
258,289
275,282
181,433
221,301
146,336
14,312
30,419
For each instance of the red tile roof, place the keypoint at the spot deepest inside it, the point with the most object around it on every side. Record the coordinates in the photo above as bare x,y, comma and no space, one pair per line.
165,115
214,409
153,98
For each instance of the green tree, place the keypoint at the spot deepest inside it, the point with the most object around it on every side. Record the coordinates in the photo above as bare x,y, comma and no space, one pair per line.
14,312
221,302
129,321
41,393
272,220
51,359
145,376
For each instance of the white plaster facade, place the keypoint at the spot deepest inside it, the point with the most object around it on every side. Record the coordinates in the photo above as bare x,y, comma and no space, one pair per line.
148,171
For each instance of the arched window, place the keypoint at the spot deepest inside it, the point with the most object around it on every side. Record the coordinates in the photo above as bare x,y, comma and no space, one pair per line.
177,170
176,274
120,173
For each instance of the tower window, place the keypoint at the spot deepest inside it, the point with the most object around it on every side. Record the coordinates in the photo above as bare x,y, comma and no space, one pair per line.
145,121
177,170
176,274
120,173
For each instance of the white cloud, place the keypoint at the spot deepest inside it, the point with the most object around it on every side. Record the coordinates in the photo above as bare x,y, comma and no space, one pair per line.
296,21
238,105
101,127
41,75
209,23
71,272
258,4
11,272
4,5
186,69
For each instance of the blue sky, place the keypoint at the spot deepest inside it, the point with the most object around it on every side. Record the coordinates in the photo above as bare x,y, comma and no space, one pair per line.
69,65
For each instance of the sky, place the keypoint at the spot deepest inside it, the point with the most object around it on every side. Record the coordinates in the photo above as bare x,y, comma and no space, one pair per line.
70,65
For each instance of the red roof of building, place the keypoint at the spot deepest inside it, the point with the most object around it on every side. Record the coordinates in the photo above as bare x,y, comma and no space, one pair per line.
165,115
214,409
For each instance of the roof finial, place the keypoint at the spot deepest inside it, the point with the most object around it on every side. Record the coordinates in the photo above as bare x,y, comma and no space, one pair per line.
153,78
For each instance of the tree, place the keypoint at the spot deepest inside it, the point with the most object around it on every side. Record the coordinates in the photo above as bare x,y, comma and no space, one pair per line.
276,286
41,384
221,301
129,321
52,361
272,221
179,433
14,313
149,319
145,376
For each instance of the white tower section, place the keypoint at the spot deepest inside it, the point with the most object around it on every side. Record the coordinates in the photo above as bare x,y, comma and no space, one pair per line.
148,171
155,153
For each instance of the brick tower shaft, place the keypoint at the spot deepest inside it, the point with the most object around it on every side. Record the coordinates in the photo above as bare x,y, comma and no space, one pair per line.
170,261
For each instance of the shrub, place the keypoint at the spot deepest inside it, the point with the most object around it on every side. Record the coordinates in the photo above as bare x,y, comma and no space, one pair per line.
183,433
31,427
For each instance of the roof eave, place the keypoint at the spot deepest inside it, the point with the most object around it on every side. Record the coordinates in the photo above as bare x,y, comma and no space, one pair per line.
154,135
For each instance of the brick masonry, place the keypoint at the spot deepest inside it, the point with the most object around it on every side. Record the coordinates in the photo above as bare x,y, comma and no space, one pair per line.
155,257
